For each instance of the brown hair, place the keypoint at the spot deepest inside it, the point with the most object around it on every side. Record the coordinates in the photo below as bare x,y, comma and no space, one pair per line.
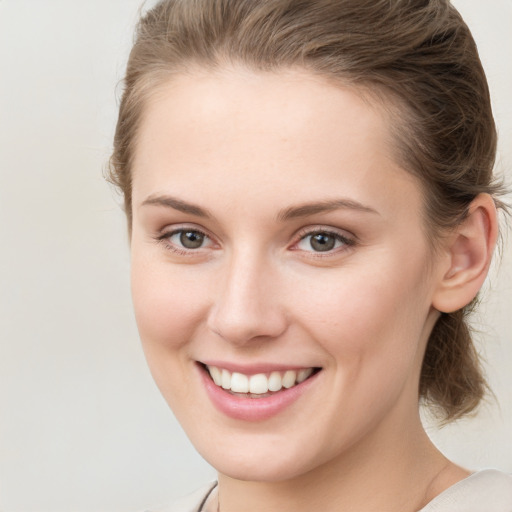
417,56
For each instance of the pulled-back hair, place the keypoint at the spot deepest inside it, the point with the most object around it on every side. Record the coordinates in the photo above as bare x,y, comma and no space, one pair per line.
417,57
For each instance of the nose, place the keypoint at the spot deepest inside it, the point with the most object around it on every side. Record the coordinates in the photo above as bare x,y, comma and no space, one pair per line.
247,305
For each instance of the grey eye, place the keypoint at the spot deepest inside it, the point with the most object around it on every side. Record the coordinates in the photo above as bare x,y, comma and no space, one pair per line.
191,239
322,242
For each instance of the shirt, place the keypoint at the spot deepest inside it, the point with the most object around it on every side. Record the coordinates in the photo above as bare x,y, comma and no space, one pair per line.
487,490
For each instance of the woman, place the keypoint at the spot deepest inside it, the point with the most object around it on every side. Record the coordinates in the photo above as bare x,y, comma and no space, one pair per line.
312,212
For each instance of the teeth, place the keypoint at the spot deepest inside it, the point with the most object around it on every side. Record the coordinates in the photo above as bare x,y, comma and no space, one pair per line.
275,383
289,379
239,383
216,375
226,379
302,375
260,383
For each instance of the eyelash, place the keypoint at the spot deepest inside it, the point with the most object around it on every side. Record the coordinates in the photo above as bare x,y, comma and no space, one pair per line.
164,238
346,242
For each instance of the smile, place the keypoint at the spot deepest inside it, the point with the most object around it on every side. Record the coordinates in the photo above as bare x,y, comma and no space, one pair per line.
256,394
260,384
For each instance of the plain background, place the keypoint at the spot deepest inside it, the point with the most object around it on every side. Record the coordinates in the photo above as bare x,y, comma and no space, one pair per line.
82,426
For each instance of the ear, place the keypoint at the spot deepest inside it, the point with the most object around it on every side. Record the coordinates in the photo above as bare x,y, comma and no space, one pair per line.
469,252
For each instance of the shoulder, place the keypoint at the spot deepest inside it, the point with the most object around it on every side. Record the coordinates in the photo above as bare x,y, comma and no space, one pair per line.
488,490
191,503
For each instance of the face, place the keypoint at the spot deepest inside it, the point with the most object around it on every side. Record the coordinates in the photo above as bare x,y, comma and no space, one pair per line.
278,270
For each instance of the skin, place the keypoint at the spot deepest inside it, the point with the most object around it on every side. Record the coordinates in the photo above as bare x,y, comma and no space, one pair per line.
245,147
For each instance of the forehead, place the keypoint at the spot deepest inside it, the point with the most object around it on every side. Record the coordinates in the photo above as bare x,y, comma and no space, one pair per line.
290,129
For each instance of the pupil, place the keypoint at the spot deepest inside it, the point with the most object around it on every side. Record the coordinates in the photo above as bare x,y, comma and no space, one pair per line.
191,239
322,242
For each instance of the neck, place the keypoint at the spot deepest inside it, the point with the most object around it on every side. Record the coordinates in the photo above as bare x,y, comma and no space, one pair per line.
394,469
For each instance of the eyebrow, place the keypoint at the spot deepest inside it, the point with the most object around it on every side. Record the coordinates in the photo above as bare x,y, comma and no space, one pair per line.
304,210
292,212
177,204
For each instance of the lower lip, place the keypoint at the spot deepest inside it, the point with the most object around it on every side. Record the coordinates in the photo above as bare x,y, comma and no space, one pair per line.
253,409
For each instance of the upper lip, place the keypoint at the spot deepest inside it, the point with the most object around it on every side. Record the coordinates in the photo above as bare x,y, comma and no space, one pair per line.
254,368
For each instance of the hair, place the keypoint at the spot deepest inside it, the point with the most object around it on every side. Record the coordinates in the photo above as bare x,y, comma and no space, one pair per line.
417,57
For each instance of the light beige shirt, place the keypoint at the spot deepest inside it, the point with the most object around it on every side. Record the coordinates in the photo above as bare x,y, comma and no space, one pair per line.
488,490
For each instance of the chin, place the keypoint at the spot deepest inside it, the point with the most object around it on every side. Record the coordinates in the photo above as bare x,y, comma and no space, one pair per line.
261,463
258,472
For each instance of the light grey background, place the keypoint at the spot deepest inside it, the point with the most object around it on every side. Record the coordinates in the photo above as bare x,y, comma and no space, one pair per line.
82,426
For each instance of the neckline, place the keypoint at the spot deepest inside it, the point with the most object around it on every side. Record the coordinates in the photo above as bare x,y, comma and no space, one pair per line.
447,494
209,495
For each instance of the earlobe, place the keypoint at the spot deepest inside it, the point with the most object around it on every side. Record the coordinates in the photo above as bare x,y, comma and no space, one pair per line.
469,251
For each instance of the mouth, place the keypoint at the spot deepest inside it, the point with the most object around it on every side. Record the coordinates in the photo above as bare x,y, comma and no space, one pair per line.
257,392
259,385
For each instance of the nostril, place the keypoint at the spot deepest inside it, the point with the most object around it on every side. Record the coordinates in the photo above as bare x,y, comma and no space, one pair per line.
243,327
246,307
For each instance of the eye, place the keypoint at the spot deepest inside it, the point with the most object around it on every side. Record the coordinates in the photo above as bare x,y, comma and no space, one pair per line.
323,241
185,240
188,239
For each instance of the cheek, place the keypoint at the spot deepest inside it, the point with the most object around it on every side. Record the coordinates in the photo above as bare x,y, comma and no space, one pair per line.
168,313
372,330
167,304
370,318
